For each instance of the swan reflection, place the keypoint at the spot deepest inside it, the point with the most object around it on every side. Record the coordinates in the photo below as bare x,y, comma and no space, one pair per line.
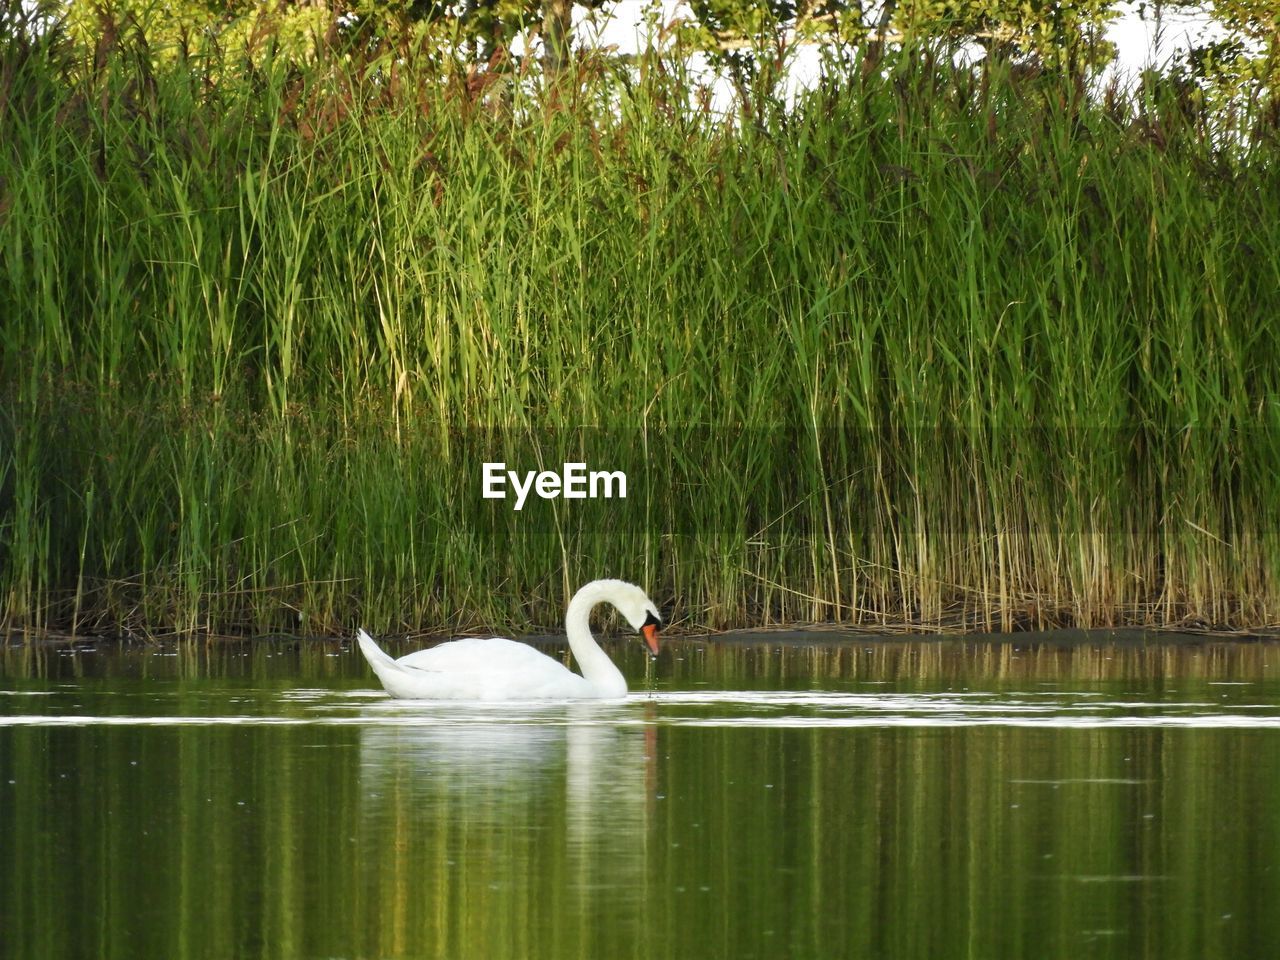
474,787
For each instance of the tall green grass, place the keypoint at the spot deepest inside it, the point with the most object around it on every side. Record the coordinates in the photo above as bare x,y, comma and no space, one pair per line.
930,346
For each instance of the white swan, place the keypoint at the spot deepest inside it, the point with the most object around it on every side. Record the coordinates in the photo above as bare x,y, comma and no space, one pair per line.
497,669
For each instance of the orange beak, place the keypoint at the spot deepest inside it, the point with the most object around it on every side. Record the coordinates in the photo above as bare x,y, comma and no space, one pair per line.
650,631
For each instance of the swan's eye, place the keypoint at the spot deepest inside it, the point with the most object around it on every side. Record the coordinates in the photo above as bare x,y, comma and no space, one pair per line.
651,620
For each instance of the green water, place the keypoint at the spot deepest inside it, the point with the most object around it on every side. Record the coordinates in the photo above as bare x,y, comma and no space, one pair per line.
872,799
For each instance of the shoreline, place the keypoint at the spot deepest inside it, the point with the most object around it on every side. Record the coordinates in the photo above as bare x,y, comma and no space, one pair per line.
824,635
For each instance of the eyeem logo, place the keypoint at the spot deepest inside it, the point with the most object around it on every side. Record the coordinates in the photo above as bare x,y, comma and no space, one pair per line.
574,483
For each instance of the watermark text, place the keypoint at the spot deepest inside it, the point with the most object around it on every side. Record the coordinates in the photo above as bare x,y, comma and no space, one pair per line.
574,482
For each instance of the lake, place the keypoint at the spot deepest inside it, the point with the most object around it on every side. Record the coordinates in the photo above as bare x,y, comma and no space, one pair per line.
785,797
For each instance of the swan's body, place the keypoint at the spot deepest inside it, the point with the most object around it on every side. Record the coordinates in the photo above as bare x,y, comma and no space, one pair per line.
497,669
479,669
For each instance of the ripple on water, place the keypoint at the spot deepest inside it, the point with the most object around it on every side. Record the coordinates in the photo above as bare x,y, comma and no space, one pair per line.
700,708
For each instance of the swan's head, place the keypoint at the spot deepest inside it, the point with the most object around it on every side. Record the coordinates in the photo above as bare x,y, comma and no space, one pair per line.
638,610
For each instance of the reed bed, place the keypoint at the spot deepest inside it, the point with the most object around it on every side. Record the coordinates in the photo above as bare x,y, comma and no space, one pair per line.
928,346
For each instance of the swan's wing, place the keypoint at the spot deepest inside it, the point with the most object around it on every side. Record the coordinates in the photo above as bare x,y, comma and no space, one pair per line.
493,668
474,653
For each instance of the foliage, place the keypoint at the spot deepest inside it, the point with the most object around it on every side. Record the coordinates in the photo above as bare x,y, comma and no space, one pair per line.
1246,57
163,30
1051,33
933,345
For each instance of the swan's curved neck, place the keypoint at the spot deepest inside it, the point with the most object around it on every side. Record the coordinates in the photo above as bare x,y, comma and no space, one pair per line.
601,672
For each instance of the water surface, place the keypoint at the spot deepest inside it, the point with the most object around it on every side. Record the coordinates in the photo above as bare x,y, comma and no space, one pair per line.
856,799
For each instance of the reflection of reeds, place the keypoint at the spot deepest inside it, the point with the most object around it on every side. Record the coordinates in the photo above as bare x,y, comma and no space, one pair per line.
910,843
717,665
925,349
930,662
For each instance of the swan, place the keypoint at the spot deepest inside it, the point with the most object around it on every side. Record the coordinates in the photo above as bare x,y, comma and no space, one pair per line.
497,669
